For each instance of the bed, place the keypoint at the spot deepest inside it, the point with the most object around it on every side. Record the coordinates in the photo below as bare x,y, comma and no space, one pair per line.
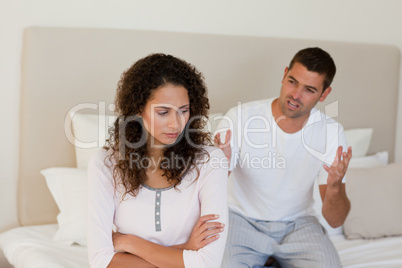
71,71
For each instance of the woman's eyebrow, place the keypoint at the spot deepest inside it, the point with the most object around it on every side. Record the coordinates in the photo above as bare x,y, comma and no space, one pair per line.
170,107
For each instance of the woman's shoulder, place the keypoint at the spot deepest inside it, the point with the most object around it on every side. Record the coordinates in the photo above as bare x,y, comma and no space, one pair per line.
212,169
212,151
214,159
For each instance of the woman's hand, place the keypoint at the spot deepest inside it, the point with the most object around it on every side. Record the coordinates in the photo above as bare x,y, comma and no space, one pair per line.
119,241
204,232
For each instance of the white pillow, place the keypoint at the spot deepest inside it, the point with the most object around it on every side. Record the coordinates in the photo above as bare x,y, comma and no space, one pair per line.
375,196
371,161
70,191
90,133
359,139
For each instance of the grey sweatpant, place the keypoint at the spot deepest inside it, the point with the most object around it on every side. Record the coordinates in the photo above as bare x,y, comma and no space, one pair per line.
301,243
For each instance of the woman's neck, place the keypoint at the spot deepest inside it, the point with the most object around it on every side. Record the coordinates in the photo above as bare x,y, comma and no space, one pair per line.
155,178
155,153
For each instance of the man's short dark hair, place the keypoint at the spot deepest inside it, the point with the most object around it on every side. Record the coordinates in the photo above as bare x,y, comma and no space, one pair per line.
316,60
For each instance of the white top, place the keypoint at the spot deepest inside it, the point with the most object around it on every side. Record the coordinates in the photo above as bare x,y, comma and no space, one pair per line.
164,216
273,172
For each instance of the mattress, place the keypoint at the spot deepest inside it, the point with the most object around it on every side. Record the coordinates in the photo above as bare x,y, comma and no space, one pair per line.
32,247
382,252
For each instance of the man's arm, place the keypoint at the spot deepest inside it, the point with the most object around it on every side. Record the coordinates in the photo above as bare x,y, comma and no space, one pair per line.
335,203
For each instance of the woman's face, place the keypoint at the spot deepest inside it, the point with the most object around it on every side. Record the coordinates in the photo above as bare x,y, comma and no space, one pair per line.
166,114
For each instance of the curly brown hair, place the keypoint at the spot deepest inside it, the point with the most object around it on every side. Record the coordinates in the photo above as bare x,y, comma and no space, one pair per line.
135,88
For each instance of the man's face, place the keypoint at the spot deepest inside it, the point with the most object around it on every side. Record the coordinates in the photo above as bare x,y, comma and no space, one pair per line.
300,91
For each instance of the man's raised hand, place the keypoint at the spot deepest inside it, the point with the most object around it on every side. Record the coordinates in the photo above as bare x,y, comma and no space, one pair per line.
225,147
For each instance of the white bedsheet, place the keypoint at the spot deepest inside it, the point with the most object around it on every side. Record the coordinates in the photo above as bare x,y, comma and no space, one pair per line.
384,252
33,247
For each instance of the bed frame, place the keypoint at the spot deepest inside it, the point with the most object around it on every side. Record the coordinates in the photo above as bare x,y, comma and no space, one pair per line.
64,67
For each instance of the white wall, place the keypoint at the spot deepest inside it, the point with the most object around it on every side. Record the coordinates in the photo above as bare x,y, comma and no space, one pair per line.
373,21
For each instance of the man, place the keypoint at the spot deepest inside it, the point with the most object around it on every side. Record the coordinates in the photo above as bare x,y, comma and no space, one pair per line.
278,148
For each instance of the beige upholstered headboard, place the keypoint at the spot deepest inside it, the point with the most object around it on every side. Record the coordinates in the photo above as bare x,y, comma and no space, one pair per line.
63,67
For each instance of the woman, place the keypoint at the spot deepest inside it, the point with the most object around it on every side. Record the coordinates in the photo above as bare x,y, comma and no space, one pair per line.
158,179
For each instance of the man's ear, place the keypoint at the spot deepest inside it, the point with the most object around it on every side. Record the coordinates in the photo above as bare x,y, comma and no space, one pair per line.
325,94
285,73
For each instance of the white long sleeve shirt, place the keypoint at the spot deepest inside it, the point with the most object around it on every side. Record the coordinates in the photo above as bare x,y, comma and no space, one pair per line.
164,216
